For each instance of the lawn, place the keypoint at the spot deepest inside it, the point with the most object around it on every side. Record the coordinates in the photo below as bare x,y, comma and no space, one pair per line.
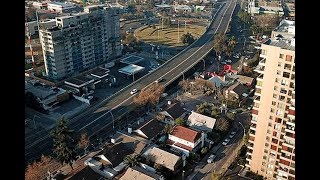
168,36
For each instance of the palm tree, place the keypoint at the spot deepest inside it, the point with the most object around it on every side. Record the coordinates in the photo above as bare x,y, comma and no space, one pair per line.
132,159
63,143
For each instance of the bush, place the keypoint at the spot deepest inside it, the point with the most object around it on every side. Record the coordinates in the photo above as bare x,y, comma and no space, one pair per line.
230,115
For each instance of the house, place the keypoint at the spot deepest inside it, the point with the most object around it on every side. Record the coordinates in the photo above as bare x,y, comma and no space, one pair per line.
237,90
140,173
86,173
109,162
182,8
164,158
185,140
245,80
201,122
150,129
173,110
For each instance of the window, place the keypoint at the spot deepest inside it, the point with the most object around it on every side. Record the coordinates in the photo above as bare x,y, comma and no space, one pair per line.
258,90
277,80
259,83
292,77
275,96
288,58
267,138
270,124
287,66
263,52
273,103
282,98
271,117
265,151
272,110
278,72
281,56
276,88
286,75
279,64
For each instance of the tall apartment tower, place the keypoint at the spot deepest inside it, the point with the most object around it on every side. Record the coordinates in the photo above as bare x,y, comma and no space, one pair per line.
80,41
271,148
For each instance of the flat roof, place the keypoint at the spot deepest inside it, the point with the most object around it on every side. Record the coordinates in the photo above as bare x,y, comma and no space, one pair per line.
100,72
131,69
283,43
41,90
78,81
131,59
65,5
163,6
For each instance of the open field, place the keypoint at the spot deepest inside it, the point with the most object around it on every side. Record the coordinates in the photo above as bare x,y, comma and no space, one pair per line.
168,36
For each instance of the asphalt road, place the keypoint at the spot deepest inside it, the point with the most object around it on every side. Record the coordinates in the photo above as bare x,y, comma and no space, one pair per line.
100,116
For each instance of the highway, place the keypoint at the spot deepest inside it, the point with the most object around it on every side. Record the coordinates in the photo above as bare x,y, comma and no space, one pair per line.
101,116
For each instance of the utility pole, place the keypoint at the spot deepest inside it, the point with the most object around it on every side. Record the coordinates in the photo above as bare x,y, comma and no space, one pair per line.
178,32
112,119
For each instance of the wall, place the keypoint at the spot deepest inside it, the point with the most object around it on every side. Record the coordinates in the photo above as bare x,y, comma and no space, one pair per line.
176,139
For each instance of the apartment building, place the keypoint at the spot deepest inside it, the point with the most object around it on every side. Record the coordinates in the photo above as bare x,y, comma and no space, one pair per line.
80,41
271,148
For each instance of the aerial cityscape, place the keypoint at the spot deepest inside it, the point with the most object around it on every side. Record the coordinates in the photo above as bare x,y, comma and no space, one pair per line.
160,89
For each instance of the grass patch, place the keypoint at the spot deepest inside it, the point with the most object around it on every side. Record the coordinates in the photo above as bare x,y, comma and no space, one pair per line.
168,36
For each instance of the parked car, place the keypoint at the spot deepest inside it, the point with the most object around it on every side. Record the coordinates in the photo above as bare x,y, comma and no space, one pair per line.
225,142
228,61
211,158
232,134
134,91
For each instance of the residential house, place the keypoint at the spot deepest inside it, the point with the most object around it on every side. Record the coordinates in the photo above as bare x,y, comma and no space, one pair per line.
201,122
87,173
109,162
140,174
237,90
164,158
150,129
185,140
173,110
245,80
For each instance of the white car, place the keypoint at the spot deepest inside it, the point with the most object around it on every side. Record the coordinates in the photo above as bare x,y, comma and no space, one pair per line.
211,158
225,142
134,91
228,61
232,134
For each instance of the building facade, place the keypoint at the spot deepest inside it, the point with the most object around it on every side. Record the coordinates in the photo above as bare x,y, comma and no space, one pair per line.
271,146
80,41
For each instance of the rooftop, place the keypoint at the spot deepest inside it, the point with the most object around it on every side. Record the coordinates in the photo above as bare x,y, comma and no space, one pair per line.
41,90
152,128
175,110
139,173
78,81
201,122
64,5
131,69
170,142
132,59
162,157
238,88
282,43
286,26
245,79
88,174
116,152
100,72
185,133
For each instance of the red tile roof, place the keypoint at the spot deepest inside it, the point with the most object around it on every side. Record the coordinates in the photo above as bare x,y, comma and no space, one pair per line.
170,142
185,133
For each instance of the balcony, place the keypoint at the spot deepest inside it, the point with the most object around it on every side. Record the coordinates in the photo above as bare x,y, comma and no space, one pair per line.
263,56
262,61
260,77
259,69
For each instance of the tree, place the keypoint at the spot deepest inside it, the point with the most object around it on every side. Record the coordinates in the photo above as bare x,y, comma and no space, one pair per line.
63,143
215,176
39,169
245,17
222,124
84,142
168,128
204,150
180,121
187,38
215,112
132,160
230,115
160,117
204,108
185,85
165,20
231,43
151,4
149,96
219,44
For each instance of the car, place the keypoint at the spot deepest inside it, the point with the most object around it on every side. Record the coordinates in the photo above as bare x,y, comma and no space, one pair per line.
228,61
211,158
232,134
236,56
134,91
225,142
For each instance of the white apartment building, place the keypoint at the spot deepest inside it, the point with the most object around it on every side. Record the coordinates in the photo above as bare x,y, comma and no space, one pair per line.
80,41
271,148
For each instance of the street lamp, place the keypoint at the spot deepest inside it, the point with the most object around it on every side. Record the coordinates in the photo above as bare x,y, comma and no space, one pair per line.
112,119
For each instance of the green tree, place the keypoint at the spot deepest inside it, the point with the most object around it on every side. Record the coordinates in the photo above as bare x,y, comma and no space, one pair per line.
215,112
215,176
230,115
180,121
63,143
219,44
187,38
231,43
132,159
168,128
204,108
